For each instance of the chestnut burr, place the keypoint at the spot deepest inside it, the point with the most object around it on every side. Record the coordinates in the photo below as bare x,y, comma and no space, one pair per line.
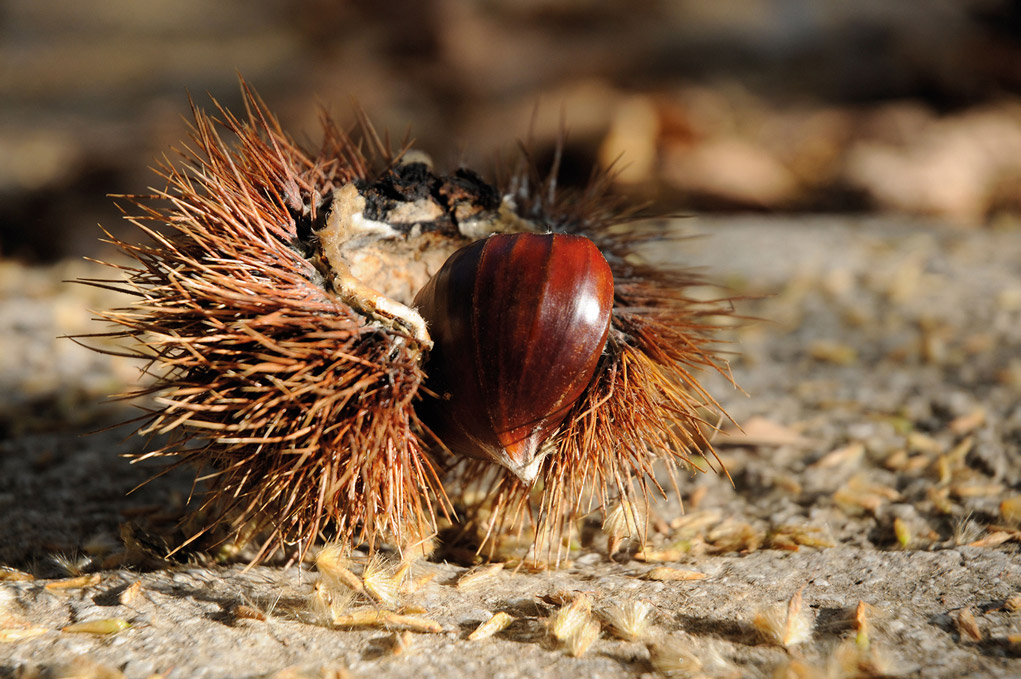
319,325
518,322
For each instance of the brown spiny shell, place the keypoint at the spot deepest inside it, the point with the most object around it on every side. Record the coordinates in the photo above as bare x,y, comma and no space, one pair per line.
282,364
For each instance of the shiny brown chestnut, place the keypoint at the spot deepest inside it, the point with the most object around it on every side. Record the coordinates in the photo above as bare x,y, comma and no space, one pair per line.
518,323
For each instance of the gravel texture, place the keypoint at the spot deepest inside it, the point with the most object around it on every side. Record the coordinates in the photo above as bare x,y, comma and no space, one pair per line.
880,462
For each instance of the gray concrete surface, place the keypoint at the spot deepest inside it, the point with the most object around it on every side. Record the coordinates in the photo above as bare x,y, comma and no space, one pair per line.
884,386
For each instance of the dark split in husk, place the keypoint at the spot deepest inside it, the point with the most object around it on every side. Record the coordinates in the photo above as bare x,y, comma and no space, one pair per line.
273,312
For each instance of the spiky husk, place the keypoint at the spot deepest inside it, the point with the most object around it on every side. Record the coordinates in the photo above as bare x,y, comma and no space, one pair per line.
305,411
302,409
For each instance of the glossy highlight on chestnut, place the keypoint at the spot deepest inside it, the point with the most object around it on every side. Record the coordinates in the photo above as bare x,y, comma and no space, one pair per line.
519,322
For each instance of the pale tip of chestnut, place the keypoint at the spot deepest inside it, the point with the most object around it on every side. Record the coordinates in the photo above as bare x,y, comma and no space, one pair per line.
523,460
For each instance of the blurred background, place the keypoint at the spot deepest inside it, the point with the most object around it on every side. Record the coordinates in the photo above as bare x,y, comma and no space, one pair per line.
747,105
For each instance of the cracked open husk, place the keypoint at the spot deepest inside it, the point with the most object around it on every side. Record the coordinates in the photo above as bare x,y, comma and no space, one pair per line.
272,294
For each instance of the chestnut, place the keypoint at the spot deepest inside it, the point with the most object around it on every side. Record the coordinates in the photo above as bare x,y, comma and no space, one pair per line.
518,323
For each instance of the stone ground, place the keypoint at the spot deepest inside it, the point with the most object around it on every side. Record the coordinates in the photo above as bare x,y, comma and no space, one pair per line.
880,462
